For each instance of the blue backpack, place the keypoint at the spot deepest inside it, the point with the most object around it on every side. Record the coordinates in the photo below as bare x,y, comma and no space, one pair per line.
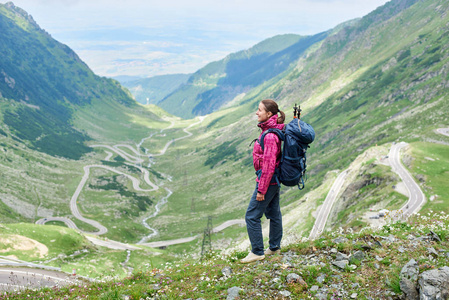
297,135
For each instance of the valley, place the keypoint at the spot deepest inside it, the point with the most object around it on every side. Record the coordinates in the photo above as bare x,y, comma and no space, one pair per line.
125,188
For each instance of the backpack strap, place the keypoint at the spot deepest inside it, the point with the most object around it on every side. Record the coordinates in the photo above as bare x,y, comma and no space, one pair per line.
278,132
301,182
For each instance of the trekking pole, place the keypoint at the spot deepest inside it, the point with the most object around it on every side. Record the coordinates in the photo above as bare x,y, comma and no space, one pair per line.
295,109
299,112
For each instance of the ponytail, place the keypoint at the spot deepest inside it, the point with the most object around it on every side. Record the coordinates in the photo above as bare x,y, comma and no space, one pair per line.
272,107
281,118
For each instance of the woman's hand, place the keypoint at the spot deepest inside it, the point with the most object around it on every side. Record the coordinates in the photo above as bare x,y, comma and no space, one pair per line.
260,197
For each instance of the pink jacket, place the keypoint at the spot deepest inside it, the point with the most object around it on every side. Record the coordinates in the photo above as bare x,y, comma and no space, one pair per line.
270,158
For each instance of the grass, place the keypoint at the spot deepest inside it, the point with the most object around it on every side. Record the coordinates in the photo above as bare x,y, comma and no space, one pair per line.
431,164
345,128
57,239
188,278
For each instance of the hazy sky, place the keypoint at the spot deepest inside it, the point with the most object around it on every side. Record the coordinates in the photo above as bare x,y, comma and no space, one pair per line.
147,38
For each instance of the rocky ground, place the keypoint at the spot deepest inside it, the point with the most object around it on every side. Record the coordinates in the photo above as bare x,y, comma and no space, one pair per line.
401,260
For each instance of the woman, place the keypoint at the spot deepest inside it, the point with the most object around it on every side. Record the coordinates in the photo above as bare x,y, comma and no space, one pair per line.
265,199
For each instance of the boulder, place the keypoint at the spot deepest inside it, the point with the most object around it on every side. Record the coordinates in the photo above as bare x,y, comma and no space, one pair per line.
340,240
434,284
226,271
432,252
292,277
409,280
233,293
320,279
285,293
357,256
341,263
341,256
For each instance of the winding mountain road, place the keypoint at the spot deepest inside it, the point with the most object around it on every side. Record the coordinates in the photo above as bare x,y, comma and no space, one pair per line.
443,131
21,278
325,209
136,185
216,229
416,199
413,205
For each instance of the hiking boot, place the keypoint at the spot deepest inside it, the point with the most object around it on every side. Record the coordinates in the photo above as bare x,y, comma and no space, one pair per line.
271,252
252,257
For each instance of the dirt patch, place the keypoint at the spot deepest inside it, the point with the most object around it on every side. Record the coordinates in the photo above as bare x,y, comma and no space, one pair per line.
402,188
16,242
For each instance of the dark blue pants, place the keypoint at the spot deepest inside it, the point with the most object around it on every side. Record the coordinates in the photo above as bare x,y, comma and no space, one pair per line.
270,207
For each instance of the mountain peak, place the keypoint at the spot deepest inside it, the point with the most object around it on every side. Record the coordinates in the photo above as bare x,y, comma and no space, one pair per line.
19,14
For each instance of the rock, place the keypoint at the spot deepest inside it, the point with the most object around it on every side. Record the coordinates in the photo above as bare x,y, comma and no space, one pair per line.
432,252
314,288
354,296
340,240
389,238
355,285
401,249
321,295
300,284
435,236
226,271
357,256
286,259
341,263
334,251
341,256
409,279
285,293
233,292
378,258
292,278
366,247
377,266
352,267
320,279
434,284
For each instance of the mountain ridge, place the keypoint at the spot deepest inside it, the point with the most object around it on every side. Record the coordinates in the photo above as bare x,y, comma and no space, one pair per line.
358,88
43,84
221,81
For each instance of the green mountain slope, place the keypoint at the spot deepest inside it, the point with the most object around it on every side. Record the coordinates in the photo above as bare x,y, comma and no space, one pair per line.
52,107
154,89
219,82
379,79
376,80
43,83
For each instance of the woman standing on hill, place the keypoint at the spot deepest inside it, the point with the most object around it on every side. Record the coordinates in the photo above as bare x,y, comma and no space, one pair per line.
265,199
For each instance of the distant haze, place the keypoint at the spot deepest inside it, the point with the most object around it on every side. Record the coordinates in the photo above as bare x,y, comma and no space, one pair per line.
147,38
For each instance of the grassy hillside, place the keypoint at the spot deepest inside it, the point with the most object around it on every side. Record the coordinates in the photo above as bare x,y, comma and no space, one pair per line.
219,82
52,107
361,87
304,270
44,84
371,82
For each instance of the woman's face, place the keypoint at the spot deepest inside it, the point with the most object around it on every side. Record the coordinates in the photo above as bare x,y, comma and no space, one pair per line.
262,114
